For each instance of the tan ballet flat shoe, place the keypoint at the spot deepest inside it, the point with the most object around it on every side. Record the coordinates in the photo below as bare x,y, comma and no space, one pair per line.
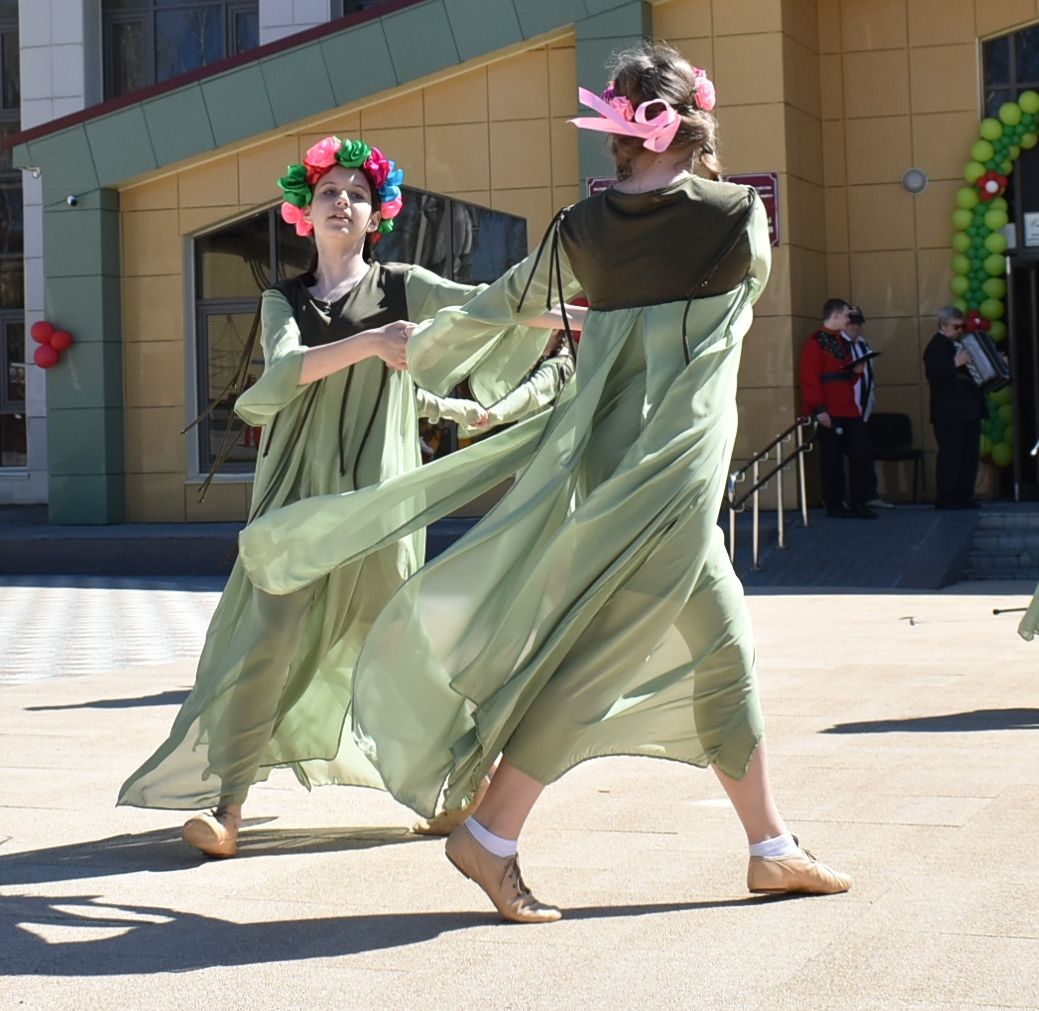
499,877
446,822
800,873
215,833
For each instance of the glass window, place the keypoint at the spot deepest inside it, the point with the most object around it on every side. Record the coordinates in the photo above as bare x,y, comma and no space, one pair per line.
342,7
187,38
10,216
10,59
13,445
233,266
997,61
148,41
1026,55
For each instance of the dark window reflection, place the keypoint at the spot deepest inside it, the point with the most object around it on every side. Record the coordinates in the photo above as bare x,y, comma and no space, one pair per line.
994,98
997,61
12,284
128,57
14,364
186,39
1026,45
11,230
235,262
11,90
246,31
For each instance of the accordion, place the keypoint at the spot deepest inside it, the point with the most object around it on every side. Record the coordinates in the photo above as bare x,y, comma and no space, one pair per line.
987,367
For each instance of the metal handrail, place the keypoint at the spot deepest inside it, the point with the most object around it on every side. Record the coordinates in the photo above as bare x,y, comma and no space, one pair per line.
737,503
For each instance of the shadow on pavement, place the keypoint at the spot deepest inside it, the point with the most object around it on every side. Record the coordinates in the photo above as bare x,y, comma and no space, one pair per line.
161,699
163,850
976,719
40,935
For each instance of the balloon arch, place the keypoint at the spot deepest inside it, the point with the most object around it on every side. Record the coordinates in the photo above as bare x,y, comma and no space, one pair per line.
979,266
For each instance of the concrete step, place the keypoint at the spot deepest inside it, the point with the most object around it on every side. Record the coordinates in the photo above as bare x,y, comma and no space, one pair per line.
1024,520
1011,540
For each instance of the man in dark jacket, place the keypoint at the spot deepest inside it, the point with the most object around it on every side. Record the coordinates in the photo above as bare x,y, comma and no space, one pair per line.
957,410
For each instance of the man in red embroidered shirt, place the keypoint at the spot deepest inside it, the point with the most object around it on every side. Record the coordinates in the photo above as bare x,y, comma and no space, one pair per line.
828,374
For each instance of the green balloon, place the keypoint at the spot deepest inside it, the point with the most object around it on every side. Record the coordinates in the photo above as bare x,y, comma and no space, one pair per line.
1002,455
1029,102
961,242
1028,141
962,219
960,265
1010,113
967,197
973,171
981,150
991,129
986,445
995,219
974,232
996,242
960,304
994,287
1006,167
1000,396
959,284
1015,152
998,202
995,265
998,331
992,308
1005,413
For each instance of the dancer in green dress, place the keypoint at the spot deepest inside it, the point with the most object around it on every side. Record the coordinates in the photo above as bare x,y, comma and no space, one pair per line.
594,610
338,412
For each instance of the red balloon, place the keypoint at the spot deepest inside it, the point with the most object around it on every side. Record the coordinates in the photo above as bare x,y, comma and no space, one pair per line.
45,356
41,331
61,340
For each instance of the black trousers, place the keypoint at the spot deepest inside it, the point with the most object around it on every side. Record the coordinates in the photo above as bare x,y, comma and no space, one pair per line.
959,446
852,440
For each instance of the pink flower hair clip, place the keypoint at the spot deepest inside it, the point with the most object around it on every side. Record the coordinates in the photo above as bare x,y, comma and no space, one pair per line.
703,90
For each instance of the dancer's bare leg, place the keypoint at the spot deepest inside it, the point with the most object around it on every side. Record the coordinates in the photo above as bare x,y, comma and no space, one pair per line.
508,801
752,798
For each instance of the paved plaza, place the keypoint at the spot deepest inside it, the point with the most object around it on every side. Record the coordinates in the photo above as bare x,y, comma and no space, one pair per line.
904,735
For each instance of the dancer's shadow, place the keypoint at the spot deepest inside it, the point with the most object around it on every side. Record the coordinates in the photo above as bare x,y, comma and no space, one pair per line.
40,935
975,720
171,698
163,850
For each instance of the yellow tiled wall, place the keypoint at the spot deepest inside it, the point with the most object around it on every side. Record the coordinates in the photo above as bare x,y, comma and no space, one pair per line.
839,97
496,136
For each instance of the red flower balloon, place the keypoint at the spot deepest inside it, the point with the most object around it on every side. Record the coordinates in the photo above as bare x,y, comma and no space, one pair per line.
61,340
975,321
991,185
45,356
41,331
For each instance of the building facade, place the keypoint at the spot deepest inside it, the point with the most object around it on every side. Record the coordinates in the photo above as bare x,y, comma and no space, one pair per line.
148,165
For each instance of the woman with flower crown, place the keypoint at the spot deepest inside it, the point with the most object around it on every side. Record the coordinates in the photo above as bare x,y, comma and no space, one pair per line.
594,610
338,412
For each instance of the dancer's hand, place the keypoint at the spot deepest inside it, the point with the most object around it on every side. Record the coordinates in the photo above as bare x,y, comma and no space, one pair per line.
392,342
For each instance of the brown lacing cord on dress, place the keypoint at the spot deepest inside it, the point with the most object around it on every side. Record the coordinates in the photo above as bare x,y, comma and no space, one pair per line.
368,427
716,263
342,421
555,275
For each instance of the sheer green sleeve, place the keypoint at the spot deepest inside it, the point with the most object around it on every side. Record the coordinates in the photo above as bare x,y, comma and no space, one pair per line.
283,359
483,340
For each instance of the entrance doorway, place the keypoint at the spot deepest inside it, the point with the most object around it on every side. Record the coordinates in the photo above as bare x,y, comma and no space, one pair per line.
1023,338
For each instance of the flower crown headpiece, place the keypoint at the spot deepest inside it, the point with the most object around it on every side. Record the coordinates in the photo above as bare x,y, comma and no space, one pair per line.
299,182
617,115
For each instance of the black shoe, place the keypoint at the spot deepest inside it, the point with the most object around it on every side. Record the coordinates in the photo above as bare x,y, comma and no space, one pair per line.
863,512
841,512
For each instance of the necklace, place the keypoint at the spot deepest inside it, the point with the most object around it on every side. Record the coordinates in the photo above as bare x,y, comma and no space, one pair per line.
336,292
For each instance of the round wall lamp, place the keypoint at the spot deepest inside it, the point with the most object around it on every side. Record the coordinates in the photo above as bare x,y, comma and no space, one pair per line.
914,181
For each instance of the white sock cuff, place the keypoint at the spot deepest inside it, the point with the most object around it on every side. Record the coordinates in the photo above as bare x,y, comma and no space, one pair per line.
495,844
776,848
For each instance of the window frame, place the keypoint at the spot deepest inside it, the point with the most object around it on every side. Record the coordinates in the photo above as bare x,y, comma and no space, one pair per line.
145,12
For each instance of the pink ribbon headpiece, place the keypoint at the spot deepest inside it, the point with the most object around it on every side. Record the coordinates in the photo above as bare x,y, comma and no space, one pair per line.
617,116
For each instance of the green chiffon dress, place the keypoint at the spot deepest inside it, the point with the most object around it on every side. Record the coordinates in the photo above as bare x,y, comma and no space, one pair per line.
593,611
273,682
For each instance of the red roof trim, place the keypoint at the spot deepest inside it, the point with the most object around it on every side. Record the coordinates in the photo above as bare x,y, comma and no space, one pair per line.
210,70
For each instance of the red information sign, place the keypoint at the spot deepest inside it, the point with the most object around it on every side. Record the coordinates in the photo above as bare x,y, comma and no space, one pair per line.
767,185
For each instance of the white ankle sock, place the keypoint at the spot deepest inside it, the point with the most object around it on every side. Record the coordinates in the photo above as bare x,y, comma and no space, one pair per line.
777,848
495,844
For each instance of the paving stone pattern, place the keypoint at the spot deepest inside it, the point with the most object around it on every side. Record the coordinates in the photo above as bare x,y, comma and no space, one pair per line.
53,625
